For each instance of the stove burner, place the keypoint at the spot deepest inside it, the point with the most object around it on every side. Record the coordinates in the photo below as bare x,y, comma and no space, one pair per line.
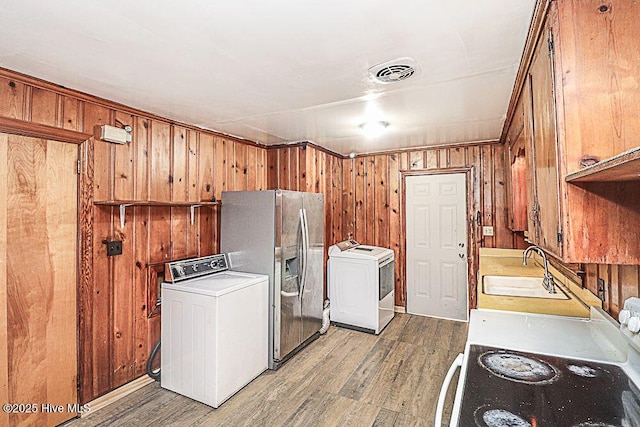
583,371
592,424
485,417
519,368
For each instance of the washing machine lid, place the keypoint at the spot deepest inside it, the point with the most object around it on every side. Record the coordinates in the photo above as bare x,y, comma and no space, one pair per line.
217,284
359,251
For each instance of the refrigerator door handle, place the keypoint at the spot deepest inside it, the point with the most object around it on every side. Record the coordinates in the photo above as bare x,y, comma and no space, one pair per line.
305,249
301,262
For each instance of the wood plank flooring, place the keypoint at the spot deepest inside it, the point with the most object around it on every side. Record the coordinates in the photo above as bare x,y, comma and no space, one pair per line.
345,378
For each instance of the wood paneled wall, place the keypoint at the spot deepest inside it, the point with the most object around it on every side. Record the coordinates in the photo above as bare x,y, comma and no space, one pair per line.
364,200
373,198
620,282
165,162
306,167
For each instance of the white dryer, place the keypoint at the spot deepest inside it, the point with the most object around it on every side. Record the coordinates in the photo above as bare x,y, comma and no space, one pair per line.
361,286
214,329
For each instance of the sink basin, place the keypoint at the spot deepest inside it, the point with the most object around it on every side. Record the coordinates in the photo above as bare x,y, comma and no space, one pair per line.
519,287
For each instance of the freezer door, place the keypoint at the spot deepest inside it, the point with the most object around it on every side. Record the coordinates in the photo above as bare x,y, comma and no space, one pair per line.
313,261
290,324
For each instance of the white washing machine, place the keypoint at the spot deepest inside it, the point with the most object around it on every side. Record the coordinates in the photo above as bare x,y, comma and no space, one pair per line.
214,329
361,286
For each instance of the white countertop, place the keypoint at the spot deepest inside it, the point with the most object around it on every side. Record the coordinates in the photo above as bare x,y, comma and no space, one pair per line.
589,339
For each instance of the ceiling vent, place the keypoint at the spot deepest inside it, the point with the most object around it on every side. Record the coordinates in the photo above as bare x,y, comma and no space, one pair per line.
394,71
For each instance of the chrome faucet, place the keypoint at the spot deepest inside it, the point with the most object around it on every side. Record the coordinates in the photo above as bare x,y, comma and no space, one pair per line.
547,282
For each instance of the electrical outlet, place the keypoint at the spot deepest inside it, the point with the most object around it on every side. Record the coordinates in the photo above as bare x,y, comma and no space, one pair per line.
487,231
114,247
601,287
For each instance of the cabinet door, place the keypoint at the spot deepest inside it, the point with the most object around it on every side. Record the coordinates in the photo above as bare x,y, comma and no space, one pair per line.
546,206
517,182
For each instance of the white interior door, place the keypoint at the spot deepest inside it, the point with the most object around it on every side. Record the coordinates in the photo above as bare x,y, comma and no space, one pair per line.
436,236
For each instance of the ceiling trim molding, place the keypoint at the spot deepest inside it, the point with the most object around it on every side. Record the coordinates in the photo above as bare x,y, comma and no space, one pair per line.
36,130
305,144
540,12
430,147
392,151
82,96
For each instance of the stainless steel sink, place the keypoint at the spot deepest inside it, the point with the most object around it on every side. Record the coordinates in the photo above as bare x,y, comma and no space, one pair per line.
515,286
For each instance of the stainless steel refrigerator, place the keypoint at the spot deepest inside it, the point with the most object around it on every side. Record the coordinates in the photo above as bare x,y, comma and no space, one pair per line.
281,234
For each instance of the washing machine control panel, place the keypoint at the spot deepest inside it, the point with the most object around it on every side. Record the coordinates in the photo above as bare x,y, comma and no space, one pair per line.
195,267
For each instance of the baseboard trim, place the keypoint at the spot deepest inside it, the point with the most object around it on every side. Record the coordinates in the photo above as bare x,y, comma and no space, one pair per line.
400,309
117,394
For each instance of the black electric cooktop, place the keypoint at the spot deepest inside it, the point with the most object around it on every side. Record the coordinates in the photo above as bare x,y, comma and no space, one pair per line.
513,388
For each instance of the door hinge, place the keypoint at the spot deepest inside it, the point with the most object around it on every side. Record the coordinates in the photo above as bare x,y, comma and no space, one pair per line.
78,167
551,46
559,231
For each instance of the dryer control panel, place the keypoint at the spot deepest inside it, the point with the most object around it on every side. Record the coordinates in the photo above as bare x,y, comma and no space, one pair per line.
347,244
195,267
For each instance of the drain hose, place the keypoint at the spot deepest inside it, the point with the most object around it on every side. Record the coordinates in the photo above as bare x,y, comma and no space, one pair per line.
325,318
155,375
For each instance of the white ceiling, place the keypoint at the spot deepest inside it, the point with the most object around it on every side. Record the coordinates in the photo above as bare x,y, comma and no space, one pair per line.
283,71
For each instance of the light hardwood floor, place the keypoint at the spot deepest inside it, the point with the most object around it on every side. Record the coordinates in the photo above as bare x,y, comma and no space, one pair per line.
345,378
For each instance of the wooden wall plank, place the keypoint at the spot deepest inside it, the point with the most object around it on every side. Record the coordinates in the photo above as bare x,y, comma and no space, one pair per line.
503,236
457,157
381,201
141,138
241,173
253,168
416,160
336,196
44,106
71,113
124,161
443,158
230,159
160,173
360,225
11,98
395,231
310,170
211,181
262,167
193,191
432,159
122,339
95,115
283,169
179,163
193,149
369,200
294,168
487,193
142,347
348,202
101,313
273,168
180,217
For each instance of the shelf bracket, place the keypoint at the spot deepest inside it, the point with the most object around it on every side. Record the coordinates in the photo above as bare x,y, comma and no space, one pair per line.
122,214
192,209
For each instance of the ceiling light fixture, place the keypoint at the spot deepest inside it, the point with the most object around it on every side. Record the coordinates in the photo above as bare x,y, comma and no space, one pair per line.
374,128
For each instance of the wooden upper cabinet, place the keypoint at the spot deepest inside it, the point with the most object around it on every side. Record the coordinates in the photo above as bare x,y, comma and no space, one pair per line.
581,105
517,179
545,209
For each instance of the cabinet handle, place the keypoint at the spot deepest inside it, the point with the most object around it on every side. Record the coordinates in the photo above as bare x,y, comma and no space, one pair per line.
461,256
